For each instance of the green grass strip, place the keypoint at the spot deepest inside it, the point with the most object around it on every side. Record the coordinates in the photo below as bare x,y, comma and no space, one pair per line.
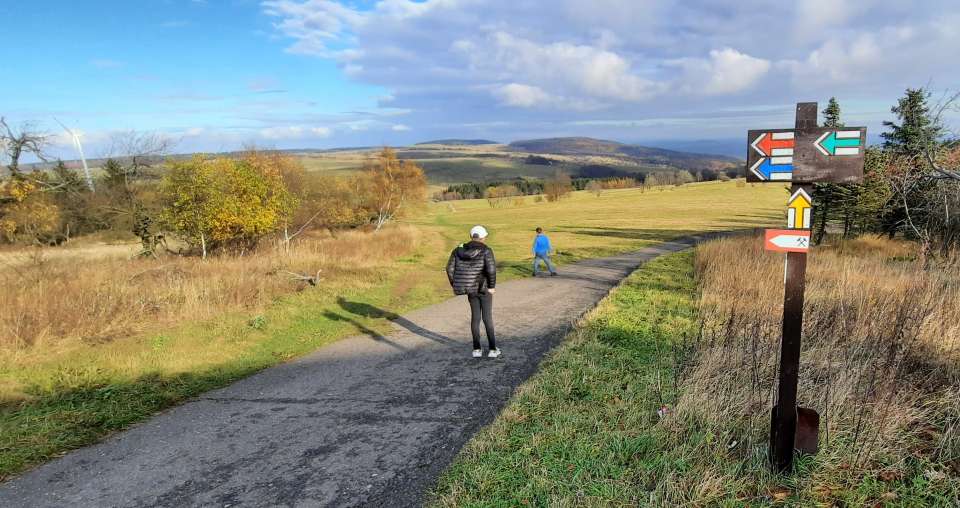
577,433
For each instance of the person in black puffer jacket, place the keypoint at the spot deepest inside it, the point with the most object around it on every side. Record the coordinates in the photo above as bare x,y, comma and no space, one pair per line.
472,271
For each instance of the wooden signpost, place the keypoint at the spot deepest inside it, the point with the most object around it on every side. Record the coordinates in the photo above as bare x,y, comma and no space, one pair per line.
803,155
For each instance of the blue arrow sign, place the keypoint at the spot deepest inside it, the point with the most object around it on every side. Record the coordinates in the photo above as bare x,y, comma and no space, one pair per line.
771,169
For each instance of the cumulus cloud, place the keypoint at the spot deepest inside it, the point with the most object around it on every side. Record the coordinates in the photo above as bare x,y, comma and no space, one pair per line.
726,71
587,55
524,96
400,128
566,69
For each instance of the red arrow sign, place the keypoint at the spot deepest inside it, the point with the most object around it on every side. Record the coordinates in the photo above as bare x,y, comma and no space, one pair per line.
767,142
787,240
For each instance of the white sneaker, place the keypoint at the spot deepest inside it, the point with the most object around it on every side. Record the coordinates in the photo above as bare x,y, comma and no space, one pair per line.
493,353
478,353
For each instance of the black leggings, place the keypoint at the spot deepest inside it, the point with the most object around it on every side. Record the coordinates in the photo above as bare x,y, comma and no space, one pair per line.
481,306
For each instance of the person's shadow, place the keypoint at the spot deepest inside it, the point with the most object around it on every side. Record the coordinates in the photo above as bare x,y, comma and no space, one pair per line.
369,311
373,334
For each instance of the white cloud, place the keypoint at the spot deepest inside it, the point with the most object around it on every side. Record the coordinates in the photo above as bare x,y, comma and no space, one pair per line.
535,66
813,16
523,96
727,71
557,68
400,128
314,24
295,132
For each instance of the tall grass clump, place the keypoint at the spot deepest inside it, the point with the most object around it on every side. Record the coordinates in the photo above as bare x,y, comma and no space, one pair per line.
880,363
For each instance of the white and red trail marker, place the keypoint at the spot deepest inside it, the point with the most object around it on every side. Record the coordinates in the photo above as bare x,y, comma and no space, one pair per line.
787,240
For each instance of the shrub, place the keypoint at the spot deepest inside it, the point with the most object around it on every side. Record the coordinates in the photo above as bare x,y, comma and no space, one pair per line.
218,203
26,213
501,194
557,187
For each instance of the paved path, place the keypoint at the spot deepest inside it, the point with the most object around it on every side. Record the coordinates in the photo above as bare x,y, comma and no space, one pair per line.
366,421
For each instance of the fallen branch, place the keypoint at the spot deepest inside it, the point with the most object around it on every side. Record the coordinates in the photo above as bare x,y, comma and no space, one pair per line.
312,280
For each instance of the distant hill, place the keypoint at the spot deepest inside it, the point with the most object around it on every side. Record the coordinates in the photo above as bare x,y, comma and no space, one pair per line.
730,147
567,146
460,142
637,153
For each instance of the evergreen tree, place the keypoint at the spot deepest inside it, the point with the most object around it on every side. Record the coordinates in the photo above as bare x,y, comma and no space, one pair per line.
828,197
67,180
831,114
116,175
915,133
917,129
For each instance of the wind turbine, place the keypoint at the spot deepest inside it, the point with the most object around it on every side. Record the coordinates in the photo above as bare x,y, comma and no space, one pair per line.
79,147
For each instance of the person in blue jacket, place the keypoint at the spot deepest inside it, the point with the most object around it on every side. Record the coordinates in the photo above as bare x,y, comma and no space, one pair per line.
541,252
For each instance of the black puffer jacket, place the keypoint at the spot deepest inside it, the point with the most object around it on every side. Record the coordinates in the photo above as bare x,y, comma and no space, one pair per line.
472,269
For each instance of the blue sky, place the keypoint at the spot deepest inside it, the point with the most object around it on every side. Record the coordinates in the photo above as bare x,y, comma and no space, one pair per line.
215,75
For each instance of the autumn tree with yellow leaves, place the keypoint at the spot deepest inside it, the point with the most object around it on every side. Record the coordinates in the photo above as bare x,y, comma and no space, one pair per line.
26,213
224,203
392,186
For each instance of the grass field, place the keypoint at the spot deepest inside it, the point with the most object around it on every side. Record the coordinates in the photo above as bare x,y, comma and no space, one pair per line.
72,387
586,225
882,366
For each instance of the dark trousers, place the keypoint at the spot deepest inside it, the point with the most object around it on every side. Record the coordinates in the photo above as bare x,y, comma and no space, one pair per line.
481,307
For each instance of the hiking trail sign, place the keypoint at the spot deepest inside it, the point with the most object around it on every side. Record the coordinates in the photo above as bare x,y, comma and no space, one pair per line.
803,155
787,240
810,155
800,209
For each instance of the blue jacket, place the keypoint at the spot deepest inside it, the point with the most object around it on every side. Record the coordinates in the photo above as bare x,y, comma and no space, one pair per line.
541,245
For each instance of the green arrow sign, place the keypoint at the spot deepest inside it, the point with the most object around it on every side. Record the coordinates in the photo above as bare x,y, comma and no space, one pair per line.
839,143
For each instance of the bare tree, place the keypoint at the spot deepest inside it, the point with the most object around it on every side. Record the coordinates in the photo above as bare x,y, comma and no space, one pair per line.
926,183
137,151
16,142
949,102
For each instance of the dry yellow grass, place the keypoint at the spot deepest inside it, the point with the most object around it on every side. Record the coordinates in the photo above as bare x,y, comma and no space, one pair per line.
54,303
880,363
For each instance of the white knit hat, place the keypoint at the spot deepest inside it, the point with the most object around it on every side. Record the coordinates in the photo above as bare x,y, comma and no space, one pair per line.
478,232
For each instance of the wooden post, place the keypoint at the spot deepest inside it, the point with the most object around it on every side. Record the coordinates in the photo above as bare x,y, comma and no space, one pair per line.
783,425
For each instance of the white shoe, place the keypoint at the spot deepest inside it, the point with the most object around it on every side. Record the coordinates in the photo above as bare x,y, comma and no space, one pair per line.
478,353
493,353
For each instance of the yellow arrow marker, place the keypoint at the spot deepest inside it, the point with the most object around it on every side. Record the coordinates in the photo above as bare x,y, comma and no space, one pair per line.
799,210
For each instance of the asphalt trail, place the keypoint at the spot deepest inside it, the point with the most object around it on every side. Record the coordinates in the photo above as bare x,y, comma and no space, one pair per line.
367,421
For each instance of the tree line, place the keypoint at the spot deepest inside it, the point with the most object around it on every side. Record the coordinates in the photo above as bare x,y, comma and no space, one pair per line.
195,206
560,184
911,184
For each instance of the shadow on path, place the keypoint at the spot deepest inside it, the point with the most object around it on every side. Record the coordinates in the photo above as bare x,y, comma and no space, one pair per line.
371,312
